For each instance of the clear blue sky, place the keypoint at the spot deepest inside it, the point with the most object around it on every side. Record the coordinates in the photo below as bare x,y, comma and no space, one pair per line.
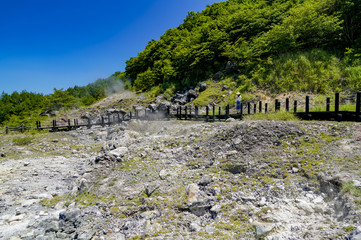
47,44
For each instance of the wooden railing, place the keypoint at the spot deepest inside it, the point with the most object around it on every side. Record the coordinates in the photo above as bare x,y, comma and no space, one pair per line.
213,113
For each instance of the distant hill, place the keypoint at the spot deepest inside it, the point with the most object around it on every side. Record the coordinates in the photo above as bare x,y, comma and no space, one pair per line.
302,45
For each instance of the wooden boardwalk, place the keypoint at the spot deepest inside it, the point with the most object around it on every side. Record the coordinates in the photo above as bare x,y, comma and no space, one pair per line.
211,114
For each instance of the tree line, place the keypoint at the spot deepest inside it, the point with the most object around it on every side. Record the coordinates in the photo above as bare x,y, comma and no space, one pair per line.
22,107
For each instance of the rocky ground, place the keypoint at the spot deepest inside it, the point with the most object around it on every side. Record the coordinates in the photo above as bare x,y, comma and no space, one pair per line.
184,180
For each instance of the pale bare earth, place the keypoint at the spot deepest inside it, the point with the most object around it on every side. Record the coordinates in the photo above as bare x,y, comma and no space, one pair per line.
184,180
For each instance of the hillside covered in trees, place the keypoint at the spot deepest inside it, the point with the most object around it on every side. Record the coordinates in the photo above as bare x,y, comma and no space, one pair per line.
281,45
17,107
276,45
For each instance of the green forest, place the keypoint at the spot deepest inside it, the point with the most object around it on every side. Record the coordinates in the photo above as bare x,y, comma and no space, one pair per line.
297,45
18,107
274,45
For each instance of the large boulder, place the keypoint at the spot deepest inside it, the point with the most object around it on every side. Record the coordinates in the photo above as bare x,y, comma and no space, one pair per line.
112,111
191,95
152,107
203,86
163,106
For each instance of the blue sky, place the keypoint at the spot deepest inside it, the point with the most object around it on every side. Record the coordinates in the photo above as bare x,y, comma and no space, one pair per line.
47,44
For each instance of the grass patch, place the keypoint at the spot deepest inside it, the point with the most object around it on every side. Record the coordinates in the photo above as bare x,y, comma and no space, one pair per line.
22,141
52,202
277,116
349,187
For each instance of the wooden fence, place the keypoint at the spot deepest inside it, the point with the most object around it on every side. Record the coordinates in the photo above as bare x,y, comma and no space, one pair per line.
330,112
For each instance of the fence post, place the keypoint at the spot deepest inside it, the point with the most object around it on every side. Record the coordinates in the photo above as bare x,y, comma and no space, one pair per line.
260,106
168,112
276,105
227,110
69,125
207,113
255,108
287,104
328,104
337,102
22,128
307,104
196,112
295,106
89,123
358,106
249,108
219,113
266,107
103,122
180,112
214,111
7,130
185,112
241,110
54,125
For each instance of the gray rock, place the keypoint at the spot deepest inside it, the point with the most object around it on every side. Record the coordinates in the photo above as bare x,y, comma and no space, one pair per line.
152,107
192,193
202,86
112,111
151,188
191,95
86,235
355,235
356,183
71,215
83,185
163,106
50,225
230,120
149,215
263,229
163,174
194,227
304,206
119,152
205,180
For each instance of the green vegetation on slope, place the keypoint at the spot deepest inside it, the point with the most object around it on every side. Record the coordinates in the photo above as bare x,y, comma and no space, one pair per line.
304,45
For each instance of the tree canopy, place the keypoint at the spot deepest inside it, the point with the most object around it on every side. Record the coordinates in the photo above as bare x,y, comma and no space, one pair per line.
247,34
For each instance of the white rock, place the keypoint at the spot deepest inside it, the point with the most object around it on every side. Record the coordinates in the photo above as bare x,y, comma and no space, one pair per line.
263,229
318,200
194,227
119,152
192,192
304,206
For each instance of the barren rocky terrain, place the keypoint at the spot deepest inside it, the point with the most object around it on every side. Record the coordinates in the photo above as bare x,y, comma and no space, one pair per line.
183,180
